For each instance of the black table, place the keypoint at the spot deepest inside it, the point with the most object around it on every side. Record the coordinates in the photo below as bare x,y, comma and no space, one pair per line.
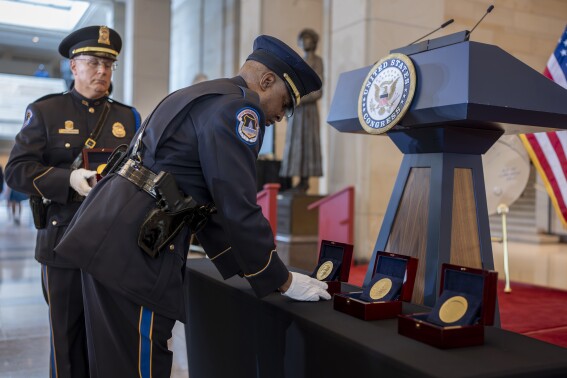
231,333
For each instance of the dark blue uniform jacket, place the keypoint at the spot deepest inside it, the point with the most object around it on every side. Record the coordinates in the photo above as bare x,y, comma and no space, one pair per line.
54,132
208,136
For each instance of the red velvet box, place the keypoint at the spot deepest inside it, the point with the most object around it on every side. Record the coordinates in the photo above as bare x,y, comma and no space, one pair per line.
417,326
353,304
94,159
338,252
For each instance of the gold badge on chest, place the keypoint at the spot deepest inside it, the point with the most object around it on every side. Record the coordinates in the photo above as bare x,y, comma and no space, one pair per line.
69,128
118,130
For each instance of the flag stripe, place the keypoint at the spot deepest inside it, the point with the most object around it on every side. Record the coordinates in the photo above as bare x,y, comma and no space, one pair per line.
547,150
556,71
549,156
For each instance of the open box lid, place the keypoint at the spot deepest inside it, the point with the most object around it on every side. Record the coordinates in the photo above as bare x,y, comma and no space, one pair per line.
478,283
94,158
337,251
400,266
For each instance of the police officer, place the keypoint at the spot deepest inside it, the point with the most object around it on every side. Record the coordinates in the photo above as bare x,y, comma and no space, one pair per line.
55,131
207,136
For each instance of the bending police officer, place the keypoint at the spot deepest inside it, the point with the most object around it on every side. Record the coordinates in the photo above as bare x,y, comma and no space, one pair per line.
207,136
56,129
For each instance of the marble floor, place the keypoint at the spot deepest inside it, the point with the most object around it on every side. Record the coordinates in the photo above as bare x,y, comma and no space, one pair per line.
24,335
24,332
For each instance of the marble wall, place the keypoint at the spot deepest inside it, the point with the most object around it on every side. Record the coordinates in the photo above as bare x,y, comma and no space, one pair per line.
216,36
360,32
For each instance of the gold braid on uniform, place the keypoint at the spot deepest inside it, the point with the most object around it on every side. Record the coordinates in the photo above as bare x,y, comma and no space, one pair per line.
264,268
38,177
222,253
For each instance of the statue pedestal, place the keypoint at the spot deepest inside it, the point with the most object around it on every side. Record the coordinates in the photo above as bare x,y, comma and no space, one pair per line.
268,172
297,230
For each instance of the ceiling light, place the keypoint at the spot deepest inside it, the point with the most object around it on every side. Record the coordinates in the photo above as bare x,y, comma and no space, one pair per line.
43,14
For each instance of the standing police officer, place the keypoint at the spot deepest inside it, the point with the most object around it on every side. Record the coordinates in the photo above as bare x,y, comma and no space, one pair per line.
56,129
206,137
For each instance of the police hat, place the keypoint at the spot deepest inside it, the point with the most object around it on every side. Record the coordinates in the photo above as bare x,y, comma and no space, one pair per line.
298,76
100,41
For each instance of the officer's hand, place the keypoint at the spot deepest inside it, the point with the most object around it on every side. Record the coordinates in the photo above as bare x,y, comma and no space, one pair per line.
305,288
78,180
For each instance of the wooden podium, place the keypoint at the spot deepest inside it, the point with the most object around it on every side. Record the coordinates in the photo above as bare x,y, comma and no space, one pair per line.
467,95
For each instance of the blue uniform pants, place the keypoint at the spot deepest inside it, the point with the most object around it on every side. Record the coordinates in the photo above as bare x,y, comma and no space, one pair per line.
63,294
124,339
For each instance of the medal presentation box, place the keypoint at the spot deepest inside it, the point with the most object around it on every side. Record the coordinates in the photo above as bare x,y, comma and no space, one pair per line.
466,303
333,266
95,159
392,282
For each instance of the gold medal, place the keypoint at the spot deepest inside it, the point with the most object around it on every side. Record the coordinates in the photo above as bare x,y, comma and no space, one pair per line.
324,270
118,130
100,168
380,288
453,309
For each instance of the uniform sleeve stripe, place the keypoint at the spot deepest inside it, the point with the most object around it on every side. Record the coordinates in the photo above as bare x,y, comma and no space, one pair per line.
264,268
222,253
146,324
37,178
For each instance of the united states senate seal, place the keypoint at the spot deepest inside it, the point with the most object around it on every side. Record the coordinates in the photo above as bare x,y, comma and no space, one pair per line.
380,288
453,309
324,270
386,93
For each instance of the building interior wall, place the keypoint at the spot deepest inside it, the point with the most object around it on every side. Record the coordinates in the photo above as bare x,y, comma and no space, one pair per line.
171,41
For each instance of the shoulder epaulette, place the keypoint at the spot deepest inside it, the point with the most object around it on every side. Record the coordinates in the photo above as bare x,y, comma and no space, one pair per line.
50,96
113,101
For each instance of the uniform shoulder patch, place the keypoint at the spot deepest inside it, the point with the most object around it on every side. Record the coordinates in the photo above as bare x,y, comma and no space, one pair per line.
28,117
247,125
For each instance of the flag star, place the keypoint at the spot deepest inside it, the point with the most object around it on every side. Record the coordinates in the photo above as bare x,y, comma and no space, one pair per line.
563,52
565,43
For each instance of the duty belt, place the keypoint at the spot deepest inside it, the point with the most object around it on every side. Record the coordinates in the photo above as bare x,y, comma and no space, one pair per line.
139,175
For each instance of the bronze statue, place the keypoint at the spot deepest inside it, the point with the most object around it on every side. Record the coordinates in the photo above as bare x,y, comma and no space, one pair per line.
302,151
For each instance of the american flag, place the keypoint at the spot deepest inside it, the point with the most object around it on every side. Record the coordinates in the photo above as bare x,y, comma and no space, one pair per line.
548,151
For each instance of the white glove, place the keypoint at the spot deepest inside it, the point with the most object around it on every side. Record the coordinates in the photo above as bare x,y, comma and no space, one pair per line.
78,180
305,288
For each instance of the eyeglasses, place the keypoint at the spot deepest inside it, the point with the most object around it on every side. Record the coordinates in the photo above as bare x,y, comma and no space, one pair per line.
94,63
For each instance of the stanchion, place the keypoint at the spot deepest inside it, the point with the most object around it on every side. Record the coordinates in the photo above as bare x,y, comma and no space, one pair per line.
503,210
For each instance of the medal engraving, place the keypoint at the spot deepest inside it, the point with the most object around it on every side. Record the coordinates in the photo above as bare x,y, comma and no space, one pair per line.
324,270
380,288
453,309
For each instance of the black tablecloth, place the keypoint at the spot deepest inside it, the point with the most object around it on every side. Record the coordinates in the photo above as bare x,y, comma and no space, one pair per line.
231,333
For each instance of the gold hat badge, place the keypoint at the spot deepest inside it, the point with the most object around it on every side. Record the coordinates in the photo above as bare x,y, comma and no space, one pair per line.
104,35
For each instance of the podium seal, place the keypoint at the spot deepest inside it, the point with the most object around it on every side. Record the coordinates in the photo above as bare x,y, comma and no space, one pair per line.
386,93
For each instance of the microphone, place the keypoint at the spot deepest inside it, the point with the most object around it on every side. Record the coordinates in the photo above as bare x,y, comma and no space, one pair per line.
428,34
490,8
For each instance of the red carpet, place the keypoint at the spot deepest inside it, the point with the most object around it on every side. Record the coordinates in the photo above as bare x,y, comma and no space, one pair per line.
534,311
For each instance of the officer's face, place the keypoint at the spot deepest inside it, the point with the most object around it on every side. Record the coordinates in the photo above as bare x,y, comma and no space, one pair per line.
92,75
275,101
